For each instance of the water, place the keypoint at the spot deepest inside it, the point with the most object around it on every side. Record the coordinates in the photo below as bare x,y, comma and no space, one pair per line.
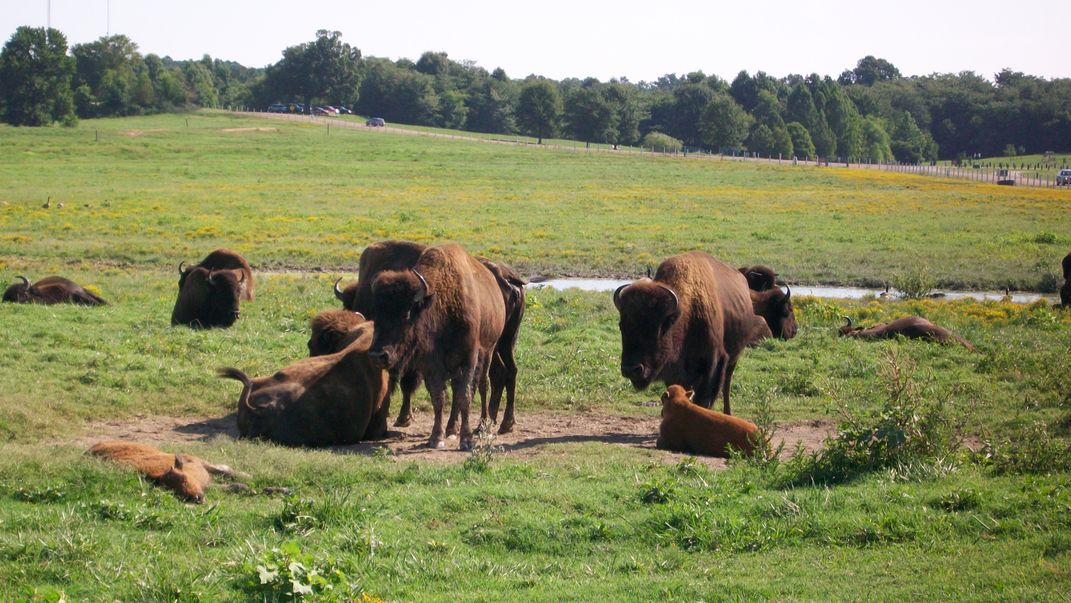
609,284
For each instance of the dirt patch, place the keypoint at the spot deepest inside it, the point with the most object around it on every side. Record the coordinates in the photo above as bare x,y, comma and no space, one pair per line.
534,435
250,130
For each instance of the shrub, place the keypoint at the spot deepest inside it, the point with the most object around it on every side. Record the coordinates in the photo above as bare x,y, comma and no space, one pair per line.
287,574
914,283
657,141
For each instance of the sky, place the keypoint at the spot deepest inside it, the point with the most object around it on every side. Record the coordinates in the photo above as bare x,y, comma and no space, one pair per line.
559,39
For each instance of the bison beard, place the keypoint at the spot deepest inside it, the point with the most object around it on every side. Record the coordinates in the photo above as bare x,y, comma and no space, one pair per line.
686,327
444,319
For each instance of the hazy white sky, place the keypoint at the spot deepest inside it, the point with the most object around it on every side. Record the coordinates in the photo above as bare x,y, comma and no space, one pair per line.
560,38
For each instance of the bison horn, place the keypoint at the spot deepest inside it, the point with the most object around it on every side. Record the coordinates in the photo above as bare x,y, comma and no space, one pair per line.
212,277
178,462
241,277
648,272
788,291
676,300
25,281
423,282
338,292
617,295
180,264
849,319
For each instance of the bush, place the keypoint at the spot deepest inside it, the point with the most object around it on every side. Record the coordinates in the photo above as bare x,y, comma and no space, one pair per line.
913,284
287,574
657,141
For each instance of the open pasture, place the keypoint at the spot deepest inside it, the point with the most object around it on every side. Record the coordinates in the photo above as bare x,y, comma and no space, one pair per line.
568,517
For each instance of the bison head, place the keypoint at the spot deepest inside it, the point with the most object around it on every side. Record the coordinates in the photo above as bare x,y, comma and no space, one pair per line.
759,278
399,299
332,331
648,311
208,298
19,293
187,479
347,296
848,328
775,307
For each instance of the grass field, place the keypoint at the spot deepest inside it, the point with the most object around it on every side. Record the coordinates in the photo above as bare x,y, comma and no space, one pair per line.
949,477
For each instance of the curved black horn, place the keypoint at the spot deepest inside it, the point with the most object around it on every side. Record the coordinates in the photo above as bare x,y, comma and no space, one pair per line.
617,295
849,319
212,277
648,272
180,264
423,282
25,281
676,301
788,291
338,292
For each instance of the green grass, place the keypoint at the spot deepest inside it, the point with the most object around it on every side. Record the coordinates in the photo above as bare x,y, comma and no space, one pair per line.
580,521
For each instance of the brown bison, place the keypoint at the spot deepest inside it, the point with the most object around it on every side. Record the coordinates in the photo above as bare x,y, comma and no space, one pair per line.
208,298
775,307
185,475
444,318
689,428
333,331
759,277
321,401
225,259
686,327
402,255
914,327
51,290
1065,291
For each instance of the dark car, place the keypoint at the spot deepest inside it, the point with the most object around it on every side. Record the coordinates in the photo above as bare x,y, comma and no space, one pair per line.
277,108
376,122
1063,178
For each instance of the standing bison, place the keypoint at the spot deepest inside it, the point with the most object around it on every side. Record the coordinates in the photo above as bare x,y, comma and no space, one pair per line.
443,318
321,401
775,307
912,327
211,292
51,290
686,327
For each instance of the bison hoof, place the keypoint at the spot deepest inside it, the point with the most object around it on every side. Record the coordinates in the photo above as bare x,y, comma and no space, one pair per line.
505,427
403,422
465,445
451,431
436,444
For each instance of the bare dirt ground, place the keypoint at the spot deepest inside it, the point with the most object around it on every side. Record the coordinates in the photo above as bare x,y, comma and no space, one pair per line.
534,435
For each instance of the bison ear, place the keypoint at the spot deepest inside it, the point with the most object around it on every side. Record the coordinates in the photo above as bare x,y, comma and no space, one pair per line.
617,295
178,462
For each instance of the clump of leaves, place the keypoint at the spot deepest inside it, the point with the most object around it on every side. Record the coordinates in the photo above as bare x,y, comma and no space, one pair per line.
286,573
48,494
657,493
483,449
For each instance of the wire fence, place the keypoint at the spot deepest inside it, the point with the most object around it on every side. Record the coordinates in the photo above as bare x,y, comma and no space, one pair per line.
1036,175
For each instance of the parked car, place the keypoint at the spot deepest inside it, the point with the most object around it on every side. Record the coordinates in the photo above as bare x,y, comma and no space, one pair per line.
344,111
1063,178
376,122
277,108
329,111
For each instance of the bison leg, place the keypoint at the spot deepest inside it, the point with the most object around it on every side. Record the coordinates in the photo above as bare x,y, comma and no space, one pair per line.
409,382
464,386
503,377
437,390
726,384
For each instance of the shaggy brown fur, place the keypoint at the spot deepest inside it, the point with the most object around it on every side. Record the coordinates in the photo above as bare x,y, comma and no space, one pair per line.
321,401
225,259
689,428
184,474
51,290
775,307
759,277
914,327
686,327
443,318
333,330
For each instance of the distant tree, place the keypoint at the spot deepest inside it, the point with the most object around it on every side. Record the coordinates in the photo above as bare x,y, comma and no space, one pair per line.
761,140
870,70
539,109
664,143
724,123
802,145
108,69
782,142
588,115
627,112
35,78
433,63
876,141
909,144
453,112
199,83
689,102
491,105
323,70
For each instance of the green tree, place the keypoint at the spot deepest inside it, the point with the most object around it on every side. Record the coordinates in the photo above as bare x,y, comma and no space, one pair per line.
909,144
876,141
539,108
324,70
761,140
108,69
35,78
802,145
782,142
588,116
724,124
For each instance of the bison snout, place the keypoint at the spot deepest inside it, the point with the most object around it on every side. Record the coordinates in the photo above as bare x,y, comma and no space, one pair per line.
381,358
636,373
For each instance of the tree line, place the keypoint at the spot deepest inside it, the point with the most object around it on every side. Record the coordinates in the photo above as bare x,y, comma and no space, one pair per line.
869,113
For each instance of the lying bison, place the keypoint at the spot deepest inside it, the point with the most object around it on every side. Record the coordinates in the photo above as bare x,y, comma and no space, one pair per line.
51,290
913,327
208,298
225,259
333,331
321,401
185,475
442,318
686,327
689,428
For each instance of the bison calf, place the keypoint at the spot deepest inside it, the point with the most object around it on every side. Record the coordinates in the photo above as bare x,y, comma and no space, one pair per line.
687,427
51,290
913,327
185,475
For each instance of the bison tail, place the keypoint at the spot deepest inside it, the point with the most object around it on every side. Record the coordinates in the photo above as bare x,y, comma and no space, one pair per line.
233,373
964,343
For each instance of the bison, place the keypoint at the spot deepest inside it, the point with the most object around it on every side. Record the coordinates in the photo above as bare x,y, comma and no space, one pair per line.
333,331
208,298
51,290
321,401
914,327
1065,291
402,255
687,326
225,259
689,428
444,318
185,475
759,277
775,307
